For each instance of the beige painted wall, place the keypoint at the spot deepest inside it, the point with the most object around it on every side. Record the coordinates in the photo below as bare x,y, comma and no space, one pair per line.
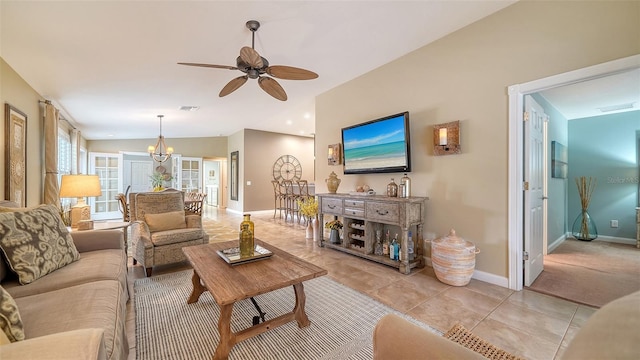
15,91
195,147
465,76
262,149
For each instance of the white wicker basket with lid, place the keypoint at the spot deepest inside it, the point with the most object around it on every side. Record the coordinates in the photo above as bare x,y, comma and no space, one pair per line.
453,259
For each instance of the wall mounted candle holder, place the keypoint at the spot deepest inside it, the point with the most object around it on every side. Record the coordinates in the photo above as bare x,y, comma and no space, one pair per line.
334,155
446,138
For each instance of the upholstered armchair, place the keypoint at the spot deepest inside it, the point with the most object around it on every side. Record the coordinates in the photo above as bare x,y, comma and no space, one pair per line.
160,228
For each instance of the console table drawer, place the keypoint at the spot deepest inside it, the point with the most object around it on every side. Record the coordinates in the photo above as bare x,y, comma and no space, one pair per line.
356,204
386,212
359,213
332,206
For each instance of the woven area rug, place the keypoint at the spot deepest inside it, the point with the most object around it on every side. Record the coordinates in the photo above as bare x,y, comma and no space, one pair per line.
466,338
342,322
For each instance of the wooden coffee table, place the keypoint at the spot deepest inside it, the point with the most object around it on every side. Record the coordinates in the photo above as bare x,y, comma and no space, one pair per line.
231,283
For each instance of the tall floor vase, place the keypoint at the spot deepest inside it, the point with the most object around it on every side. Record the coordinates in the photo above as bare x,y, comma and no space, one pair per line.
584,228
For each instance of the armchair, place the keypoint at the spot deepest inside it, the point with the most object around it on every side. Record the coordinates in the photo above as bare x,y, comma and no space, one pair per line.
160,228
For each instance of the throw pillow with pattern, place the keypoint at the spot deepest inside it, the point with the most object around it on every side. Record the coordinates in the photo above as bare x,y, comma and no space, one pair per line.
10,321
36,242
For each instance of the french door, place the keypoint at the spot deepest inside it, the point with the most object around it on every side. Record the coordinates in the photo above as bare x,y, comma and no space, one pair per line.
107,167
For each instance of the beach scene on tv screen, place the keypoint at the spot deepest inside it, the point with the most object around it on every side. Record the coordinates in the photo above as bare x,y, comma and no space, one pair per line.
376,145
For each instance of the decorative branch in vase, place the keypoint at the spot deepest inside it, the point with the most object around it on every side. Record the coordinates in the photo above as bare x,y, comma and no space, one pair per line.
583,227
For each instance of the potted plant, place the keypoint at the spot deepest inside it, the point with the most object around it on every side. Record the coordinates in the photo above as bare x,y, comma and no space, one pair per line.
334,226
308,207
158,179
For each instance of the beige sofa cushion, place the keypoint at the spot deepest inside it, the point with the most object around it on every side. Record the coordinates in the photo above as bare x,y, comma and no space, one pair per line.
109,264
84,344
177,236
99,304
36,242
10,321
165,221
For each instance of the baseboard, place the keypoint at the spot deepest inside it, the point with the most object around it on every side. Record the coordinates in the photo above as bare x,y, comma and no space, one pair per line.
556,243
612,239
481,276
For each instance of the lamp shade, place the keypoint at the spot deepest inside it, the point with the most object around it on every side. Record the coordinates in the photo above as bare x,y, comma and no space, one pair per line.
80,186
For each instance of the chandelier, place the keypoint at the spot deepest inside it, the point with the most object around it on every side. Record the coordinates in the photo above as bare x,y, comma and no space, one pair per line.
160,152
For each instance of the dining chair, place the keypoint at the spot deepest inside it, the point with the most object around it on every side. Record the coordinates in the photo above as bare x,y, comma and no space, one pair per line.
278,198
123,206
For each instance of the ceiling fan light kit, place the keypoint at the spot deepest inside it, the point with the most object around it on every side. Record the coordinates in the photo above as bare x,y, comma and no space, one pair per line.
256,67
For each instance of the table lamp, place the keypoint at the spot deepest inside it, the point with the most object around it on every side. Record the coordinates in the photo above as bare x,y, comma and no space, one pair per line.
79,186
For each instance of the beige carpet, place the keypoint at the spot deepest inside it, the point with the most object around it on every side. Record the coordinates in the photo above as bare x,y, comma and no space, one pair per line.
590,272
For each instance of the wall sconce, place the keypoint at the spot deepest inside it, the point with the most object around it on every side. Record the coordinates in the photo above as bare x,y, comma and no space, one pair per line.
446,138
334,156
79,186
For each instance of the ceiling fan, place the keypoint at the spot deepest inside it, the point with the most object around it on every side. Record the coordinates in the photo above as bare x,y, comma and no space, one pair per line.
255,67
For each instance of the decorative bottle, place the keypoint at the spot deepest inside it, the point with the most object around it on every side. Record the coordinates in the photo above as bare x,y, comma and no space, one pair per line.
410,248
378,247
385,245
247,220
246,241
396,249
392,189
407,185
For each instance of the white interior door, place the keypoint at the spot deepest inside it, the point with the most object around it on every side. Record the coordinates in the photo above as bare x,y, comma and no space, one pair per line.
140,172
534,165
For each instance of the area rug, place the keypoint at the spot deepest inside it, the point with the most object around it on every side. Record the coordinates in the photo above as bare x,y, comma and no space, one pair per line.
466,338
591,273
342,322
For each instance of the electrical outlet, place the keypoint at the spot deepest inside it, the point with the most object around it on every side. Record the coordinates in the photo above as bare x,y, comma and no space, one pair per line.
614,223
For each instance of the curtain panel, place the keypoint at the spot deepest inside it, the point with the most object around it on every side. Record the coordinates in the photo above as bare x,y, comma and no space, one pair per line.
51,189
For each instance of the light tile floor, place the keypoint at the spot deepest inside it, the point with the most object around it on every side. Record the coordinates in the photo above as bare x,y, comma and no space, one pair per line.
525,323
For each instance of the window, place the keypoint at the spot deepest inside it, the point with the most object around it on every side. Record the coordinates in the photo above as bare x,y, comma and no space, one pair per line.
65,159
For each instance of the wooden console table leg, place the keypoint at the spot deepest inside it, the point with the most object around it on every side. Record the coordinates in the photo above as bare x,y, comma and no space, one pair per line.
227,338
198,289
298,310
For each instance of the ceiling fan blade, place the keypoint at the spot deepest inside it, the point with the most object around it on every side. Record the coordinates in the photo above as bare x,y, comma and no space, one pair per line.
271,87
290,73
233,85
210,66
251,57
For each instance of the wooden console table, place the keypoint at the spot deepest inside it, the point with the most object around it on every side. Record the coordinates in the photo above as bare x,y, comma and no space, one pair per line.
362,215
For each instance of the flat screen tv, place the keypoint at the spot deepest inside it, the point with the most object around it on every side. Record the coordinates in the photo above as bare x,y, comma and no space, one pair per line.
378,146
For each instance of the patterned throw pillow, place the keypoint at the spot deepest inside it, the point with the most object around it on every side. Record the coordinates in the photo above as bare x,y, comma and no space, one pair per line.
10,321
36,242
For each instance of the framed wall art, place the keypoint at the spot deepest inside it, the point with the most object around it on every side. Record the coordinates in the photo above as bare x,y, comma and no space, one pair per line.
15,155
559,159
234,175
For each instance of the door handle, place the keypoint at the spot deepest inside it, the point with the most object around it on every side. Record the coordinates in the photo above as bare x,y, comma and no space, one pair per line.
544,198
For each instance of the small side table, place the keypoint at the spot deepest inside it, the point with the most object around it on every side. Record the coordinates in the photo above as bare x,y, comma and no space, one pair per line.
112,225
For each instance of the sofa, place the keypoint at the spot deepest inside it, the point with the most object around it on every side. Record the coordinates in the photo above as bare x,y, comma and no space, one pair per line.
160,228
612,332
76,311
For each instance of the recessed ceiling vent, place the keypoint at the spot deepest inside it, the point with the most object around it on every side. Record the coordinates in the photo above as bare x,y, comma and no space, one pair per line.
189,108
605,109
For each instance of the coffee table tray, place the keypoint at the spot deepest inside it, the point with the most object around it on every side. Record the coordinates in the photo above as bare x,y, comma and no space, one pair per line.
232,255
